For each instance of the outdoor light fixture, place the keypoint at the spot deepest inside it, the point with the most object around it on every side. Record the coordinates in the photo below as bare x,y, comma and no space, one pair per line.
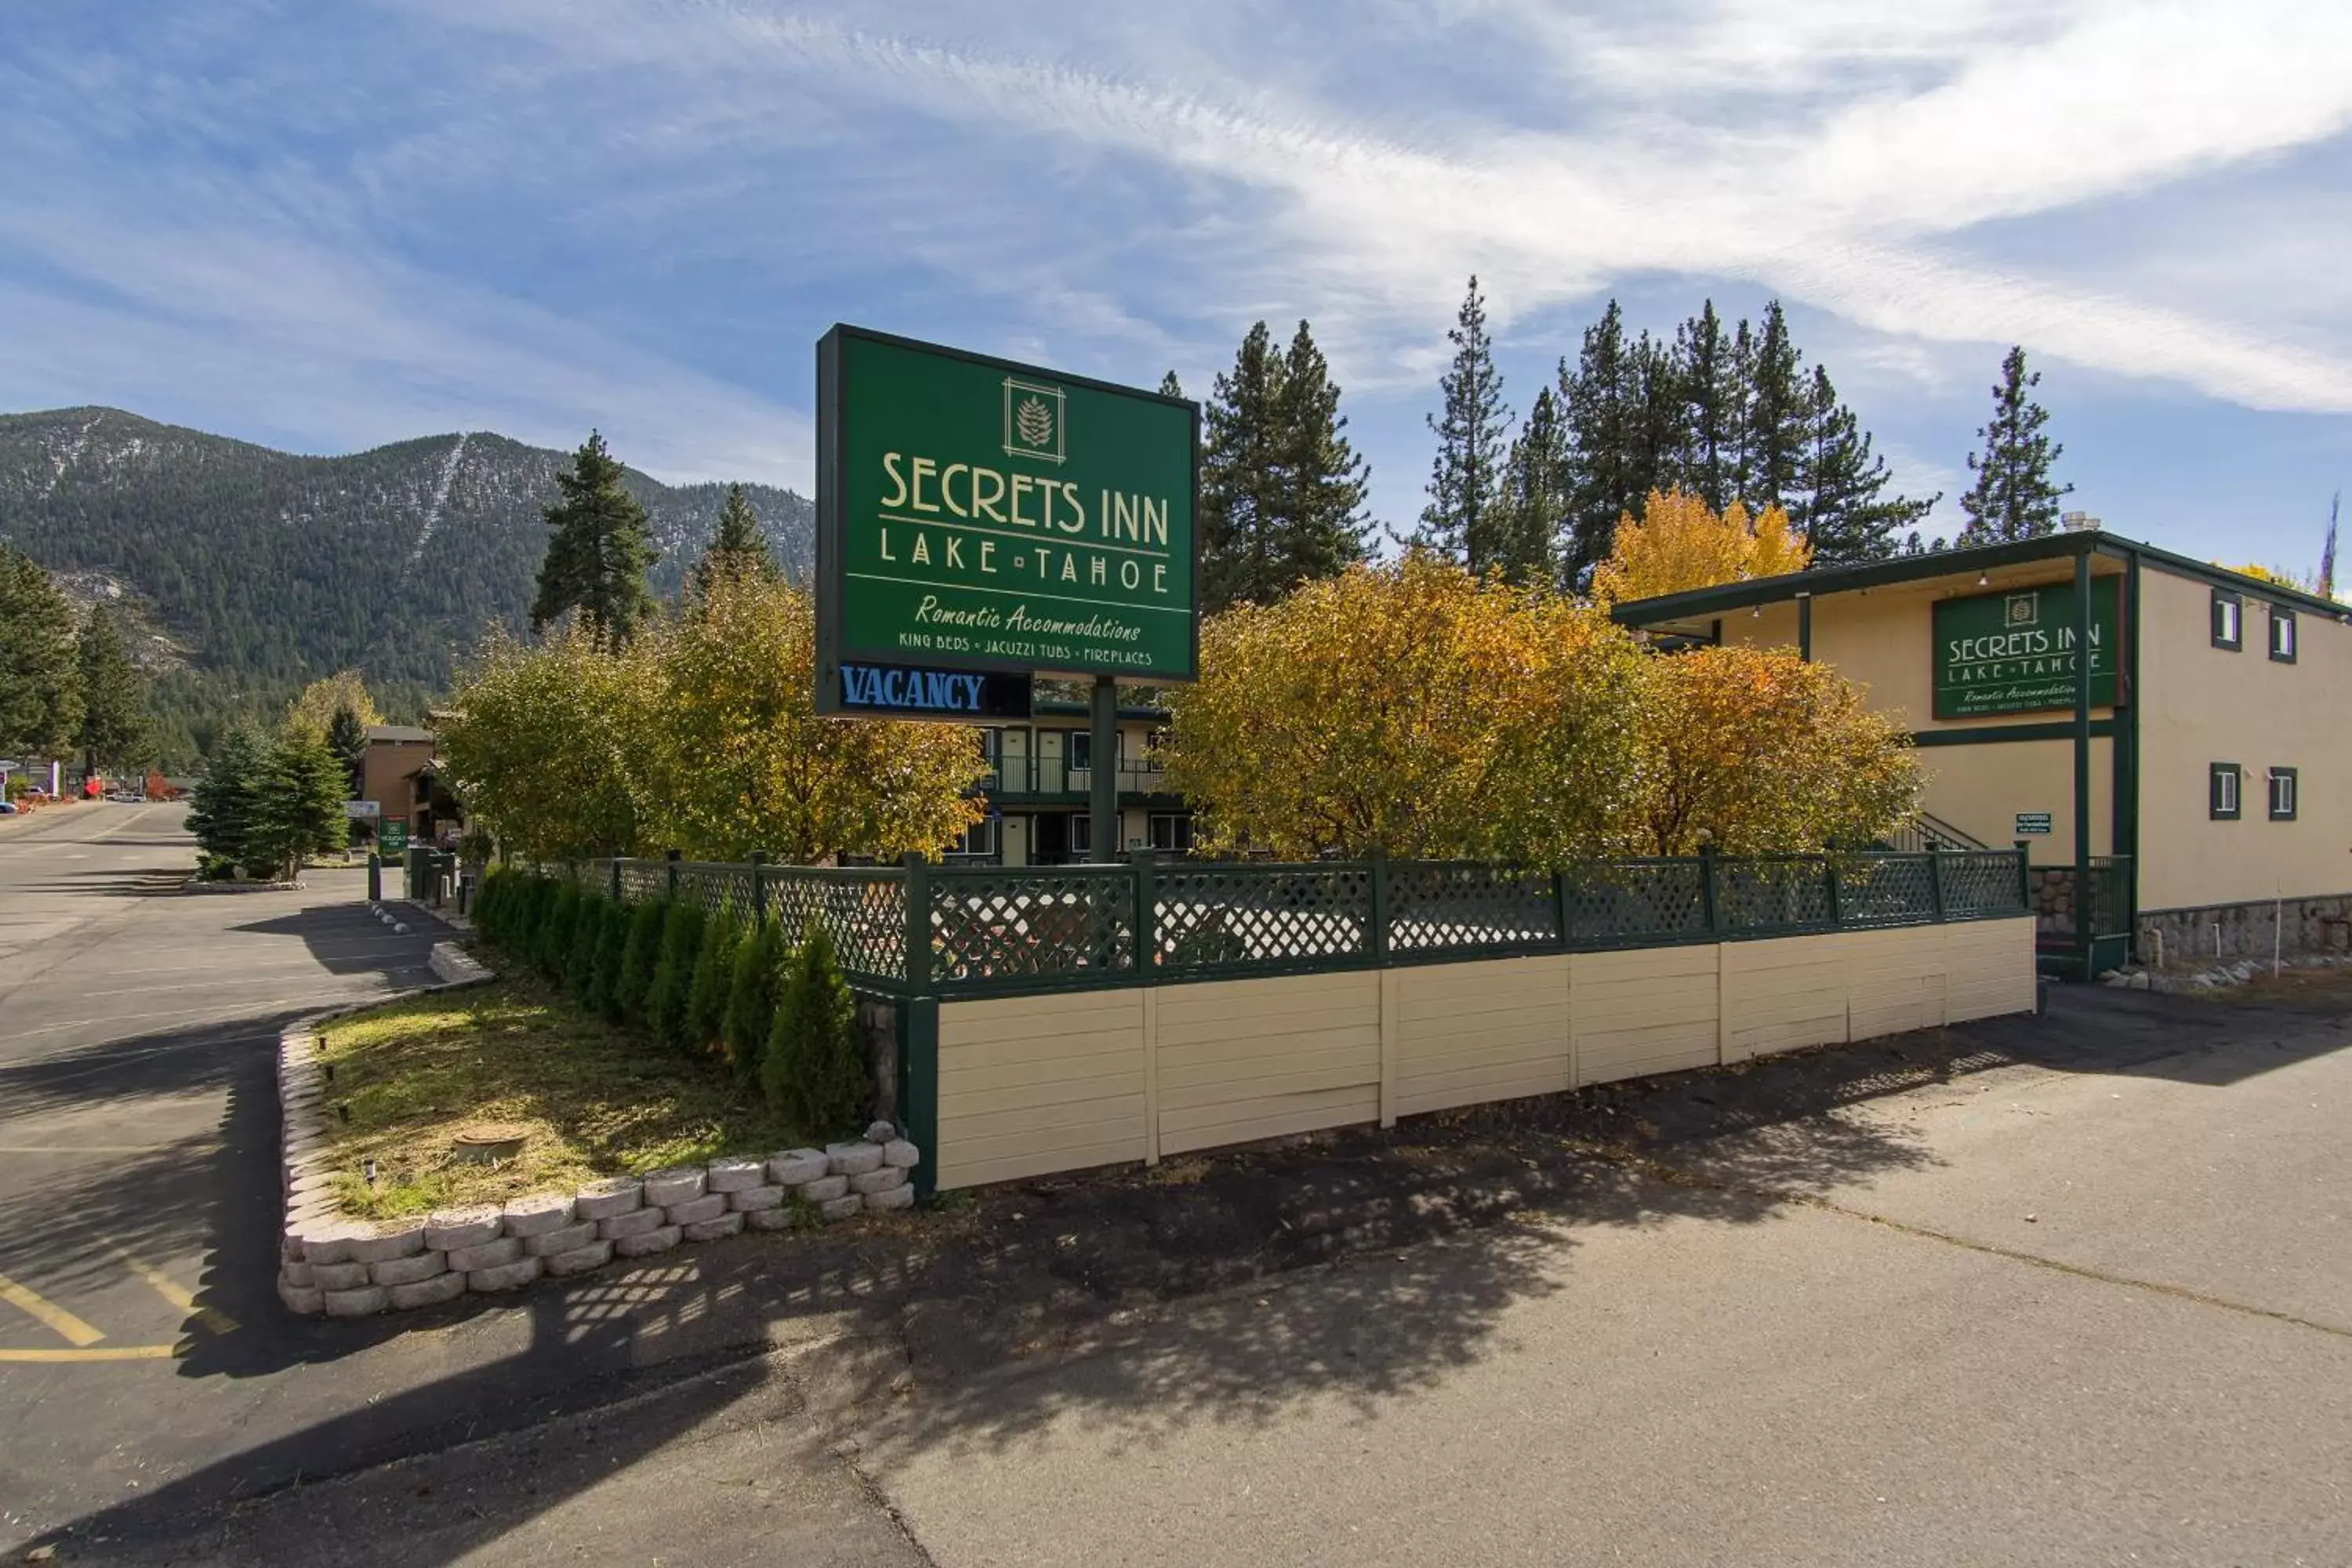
1984,579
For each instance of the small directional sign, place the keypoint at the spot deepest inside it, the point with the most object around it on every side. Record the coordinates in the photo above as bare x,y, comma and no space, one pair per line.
2029,822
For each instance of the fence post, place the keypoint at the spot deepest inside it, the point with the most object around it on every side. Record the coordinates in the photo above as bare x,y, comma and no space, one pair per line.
2024,875
1563,908
616,879
1935,876
918,922
1707,886
1829,878
671,856
1147,915
1376,945
759,887
375,876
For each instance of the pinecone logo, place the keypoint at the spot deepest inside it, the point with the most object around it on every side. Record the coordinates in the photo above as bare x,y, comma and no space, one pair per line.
1036,422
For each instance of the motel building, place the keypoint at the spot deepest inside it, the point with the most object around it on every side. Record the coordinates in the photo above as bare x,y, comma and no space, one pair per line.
1037,790
2181,776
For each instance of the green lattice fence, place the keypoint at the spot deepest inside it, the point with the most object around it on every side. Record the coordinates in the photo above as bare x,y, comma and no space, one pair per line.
862,910
1470,911
1238,917
996,923
1981,882
1637,903
1895,890
1760,895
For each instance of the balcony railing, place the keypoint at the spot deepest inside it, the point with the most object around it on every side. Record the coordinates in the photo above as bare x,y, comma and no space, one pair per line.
1053,777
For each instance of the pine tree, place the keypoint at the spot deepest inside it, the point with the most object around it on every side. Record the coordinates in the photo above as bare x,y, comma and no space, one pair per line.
1318,479
1659,429
1595,401
751,998
714,975
1534,494
596,561
221,808
40,688
297,805
1840,513
638,957
815,1073
1779,405
1241,497
115,728
1465,478
2013,497
1169,387
347,737
667,1002
737,548
1715,389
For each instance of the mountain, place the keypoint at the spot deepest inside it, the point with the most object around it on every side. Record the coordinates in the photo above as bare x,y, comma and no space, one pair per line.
250,571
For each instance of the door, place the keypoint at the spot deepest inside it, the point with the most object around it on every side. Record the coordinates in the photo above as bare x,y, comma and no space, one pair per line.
1050,839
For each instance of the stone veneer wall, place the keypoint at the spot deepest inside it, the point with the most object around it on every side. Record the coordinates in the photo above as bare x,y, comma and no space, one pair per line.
348,1267
2317,925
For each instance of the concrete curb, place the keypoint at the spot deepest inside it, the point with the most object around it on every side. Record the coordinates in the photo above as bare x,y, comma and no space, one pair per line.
345,1268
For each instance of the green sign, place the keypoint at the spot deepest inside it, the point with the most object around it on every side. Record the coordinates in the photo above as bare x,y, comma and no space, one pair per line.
2015,652
392,837
977,514
2029,822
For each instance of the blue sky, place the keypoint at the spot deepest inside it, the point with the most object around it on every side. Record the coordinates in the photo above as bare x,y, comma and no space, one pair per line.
328,226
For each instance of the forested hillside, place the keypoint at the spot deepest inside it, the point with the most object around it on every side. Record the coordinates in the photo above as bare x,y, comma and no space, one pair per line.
259,570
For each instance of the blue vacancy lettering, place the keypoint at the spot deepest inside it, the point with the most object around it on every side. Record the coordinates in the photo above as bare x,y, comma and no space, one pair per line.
932,690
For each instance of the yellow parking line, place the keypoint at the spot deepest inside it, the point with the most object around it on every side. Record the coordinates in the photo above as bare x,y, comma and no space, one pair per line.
110,1353
212,1318
67,1325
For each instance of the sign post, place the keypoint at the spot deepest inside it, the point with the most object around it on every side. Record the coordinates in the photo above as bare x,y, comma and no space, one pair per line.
981,522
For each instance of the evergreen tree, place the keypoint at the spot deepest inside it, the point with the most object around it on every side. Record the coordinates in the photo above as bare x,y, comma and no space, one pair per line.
1465,478
1241,497
751,998
1715,388
1319,480
221,807
815,1073
115,729
714,975
40,688
672,992
1778,414
1534,494
1844,513
1596,408
597,560
1659,416
551,947
583,944
612,951
347,737
1169,387
298,805
638,956
737,549
2013,497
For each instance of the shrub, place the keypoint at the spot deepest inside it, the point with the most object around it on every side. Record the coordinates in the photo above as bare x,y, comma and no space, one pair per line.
580,963
815,1073
714,977
638,956
752,997
490,905
535,911
553,944
667,999
612,948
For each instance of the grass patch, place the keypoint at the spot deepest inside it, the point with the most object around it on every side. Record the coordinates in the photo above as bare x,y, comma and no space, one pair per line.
597,1102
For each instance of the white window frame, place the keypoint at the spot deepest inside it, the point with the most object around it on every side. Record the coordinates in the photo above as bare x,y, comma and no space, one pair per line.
2293,790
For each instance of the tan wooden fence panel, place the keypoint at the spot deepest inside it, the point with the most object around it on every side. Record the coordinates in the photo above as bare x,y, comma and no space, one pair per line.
1785,994
1030,1085
1991,968
1652,1010
1241,1060
1467,1033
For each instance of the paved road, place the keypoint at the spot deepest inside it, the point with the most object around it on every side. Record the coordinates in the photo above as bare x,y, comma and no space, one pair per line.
2093,1306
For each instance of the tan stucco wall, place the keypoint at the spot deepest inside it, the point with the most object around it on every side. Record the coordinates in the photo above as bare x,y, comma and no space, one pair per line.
1979,790
1029,1085
384,770
2202,705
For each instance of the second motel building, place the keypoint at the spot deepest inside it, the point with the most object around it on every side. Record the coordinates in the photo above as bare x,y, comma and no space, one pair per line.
2196,788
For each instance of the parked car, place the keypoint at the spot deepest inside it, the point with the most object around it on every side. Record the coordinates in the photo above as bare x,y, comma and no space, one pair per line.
127,796
7,808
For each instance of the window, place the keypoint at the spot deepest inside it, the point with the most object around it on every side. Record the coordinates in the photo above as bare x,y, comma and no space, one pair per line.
1172,832
1080,748
2283,787
2229,618
1082,835
979,840
2223,792
2281,634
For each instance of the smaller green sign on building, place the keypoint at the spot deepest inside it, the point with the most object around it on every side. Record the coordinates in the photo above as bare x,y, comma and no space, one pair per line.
392,838
2015,652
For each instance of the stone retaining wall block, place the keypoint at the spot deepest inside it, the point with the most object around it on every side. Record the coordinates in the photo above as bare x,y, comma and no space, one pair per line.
580,1259
294,1271
486,1256
330,1242
825,1191
712,1229
752,1199
647,1242
307,1300
340,1276
734,1176
602,1200
880,1132
797,1167
571,1239
676,1185
901,1196
538,1214
841,1208
409,1270
364,1302
512,1276
901,1154
853,1158
397,1239
443,1286
881,1181
772,1219
637,1222
694,1210
452,1230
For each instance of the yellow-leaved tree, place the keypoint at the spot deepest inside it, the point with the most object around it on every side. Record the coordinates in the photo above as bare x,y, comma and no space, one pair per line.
1678,544
1412,707
736,759
313,711
1757,752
